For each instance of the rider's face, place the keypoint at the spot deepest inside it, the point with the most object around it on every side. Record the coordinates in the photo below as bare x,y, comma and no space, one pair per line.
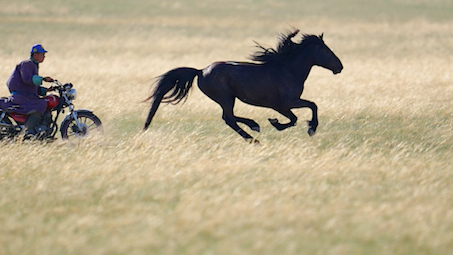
39,57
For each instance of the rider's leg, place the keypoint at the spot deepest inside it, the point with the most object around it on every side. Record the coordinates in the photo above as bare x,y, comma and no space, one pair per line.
32,123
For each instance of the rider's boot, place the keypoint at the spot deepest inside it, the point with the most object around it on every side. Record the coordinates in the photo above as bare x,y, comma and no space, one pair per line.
31,125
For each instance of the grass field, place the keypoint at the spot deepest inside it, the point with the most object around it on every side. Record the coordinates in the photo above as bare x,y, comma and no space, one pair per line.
377,178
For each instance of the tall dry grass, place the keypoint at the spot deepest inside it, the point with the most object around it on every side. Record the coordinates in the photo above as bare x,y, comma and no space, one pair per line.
375,179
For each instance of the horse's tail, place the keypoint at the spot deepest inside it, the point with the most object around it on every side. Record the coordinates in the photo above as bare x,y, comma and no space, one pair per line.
171,87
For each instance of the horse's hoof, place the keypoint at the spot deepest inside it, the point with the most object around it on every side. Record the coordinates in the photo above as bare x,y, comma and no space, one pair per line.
277,124
256,128
311,132
273,121
252,141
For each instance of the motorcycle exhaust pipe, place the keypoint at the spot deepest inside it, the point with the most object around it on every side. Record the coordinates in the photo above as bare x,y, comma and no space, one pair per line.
5,125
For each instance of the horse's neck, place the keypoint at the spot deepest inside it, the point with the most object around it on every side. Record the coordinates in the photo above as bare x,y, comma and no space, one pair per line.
301,70
303,65
305,72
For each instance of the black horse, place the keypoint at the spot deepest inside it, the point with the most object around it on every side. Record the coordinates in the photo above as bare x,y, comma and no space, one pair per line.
275,80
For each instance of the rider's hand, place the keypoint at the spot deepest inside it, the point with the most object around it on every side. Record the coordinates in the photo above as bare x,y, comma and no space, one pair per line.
47,79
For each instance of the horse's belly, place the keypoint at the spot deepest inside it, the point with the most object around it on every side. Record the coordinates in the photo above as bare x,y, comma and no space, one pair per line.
258,99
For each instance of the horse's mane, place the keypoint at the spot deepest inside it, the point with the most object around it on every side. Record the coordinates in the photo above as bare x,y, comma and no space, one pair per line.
286,48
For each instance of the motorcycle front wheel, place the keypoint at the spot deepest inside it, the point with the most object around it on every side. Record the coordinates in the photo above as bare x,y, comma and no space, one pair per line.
89,124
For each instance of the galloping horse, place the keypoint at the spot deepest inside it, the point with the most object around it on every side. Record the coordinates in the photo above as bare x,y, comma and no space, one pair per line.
275,80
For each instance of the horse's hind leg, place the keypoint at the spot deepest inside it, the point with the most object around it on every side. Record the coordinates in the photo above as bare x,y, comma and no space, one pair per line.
222,95
250,123
231,120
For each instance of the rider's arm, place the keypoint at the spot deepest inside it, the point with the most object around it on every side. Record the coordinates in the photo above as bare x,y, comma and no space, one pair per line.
37,80
29,74
42,91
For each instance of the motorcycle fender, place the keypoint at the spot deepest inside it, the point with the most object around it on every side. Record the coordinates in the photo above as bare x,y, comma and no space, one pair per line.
69,116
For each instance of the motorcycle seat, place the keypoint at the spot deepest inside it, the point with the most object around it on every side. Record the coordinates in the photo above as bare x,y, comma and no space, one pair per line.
6,105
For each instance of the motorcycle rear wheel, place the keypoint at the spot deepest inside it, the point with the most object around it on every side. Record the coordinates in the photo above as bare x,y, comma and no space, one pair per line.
89,124
7,132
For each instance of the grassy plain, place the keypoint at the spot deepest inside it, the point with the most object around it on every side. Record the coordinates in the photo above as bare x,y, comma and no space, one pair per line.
377,178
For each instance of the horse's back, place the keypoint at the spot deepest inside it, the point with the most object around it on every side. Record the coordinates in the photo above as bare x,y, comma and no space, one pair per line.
226,76
251,83
231,72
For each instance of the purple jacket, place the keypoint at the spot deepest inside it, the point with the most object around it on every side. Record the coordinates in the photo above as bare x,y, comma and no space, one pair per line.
24,85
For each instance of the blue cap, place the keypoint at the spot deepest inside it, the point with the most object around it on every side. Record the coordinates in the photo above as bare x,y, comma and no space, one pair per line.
37,48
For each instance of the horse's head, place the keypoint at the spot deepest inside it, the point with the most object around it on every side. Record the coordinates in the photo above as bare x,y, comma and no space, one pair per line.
310,48
325,57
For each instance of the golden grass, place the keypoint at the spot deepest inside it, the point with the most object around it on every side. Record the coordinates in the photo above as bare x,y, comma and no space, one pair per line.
375,179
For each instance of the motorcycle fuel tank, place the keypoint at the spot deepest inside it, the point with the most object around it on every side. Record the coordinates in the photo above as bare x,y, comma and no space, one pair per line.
52,101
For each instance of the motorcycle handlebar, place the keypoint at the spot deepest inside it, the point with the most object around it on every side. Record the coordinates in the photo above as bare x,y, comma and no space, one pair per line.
56,82
58,85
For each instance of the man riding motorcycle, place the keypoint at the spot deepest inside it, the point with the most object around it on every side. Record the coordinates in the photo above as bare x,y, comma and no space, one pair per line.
24,84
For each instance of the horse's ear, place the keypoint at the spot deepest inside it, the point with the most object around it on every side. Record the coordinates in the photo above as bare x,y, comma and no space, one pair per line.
321,36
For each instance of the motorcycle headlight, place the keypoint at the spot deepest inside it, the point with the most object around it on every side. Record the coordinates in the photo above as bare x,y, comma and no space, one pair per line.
72,94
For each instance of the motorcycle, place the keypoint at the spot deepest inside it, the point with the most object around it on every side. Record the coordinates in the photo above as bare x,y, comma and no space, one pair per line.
77,124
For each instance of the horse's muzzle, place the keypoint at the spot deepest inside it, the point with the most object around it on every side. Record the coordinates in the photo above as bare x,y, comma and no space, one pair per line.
338,69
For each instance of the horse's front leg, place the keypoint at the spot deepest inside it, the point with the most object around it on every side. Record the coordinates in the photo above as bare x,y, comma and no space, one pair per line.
313,123
300,103
288,114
